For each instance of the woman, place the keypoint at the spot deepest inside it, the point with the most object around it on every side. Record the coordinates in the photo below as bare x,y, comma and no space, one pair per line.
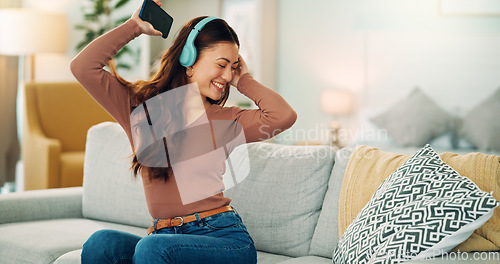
191,224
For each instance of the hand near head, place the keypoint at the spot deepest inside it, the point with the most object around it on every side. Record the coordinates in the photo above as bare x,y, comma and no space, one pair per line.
146,27
240,70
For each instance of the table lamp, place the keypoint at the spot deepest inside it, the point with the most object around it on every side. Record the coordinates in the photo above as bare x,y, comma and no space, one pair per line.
336,103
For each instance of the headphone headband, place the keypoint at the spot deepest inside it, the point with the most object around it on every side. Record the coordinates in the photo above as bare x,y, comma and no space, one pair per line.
189,52
199,26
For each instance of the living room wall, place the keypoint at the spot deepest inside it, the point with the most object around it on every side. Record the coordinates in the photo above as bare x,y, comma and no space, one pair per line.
55,67
380,50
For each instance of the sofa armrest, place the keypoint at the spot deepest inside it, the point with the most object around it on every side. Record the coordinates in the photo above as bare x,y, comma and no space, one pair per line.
41,157
41,154
41,205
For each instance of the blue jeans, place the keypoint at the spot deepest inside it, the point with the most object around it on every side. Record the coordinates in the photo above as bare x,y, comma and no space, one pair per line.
221,238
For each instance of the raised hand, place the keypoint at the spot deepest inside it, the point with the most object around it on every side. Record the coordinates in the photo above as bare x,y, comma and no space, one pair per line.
146,27
240,70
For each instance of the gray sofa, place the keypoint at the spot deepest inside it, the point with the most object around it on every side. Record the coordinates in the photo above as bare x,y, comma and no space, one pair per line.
286,195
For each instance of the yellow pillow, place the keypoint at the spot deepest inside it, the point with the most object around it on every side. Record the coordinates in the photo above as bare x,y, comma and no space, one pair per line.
360,184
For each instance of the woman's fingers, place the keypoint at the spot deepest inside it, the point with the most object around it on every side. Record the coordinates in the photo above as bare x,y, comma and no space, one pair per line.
145,26
157,2
242,69
152,31
242,65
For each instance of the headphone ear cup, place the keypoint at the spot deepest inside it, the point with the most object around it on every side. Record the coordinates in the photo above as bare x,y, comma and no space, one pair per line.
188,55
189,52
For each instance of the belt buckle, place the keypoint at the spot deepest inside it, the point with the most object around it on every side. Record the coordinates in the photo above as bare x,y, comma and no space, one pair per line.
182,220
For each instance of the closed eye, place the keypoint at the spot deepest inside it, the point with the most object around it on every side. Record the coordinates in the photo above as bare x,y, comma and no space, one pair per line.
224,66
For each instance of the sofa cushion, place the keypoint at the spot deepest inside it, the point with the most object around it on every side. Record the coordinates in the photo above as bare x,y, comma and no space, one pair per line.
484,171
415,120
281,197
422,209
369,167
110,192
307,260
480,126
45,241
326,234
72,257
269,258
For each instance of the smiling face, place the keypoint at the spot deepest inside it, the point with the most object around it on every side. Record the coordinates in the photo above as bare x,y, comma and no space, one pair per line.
214,69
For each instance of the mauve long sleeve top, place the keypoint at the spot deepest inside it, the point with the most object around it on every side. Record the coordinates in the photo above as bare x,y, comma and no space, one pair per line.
197,183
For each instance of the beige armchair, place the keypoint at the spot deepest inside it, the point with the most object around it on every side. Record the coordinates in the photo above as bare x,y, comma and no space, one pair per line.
56,119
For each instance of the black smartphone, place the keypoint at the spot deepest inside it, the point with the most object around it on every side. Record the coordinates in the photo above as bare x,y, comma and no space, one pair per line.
154,14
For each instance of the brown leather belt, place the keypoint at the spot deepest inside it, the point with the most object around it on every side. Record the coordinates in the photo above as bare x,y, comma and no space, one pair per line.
178,221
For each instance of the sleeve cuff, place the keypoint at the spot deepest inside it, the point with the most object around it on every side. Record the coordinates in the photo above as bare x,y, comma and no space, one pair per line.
243,80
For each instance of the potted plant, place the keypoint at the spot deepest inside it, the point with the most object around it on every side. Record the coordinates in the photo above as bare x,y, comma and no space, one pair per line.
98,19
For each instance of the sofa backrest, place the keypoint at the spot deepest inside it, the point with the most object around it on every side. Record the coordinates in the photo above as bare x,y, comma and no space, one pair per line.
326,234
110,192
280,200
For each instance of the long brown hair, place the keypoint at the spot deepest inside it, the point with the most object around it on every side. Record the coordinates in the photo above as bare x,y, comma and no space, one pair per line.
172,74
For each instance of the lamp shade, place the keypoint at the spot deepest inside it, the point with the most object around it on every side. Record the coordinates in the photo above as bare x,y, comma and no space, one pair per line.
336,102
25,32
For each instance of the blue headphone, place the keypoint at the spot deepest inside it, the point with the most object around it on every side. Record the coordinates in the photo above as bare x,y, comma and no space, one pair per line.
189,52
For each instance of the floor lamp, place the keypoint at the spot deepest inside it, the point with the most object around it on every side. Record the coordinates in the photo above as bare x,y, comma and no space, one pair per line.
23,32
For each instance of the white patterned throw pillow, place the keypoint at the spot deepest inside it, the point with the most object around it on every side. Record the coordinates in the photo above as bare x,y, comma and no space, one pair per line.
423,209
